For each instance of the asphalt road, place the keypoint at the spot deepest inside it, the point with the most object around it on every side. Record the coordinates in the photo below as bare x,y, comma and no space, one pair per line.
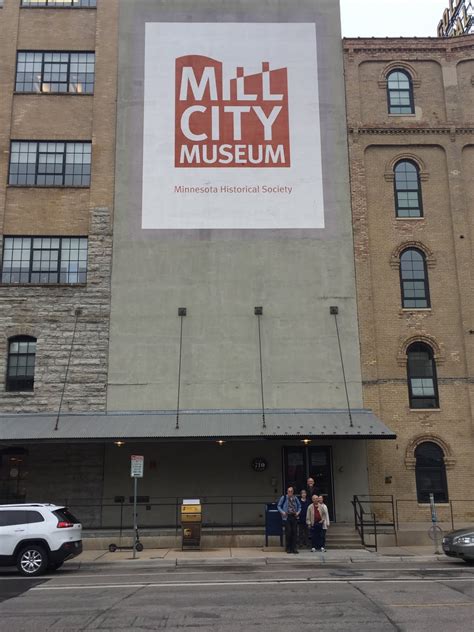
293,596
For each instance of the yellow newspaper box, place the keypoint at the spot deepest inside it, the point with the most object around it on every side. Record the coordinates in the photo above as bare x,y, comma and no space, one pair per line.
191,520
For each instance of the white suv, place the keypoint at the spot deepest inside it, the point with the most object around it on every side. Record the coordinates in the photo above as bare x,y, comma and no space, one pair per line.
38,537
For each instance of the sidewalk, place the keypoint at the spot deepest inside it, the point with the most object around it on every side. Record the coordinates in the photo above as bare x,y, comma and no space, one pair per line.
253,556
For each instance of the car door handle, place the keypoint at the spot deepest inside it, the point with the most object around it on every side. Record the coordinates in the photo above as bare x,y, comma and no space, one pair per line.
18,530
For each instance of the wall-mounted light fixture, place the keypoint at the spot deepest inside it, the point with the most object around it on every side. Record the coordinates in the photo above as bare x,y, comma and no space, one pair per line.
220,442
306,441
119,444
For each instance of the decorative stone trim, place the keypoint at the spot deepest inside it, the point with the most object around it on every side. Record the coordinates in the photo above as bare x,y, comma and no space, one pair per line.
389,174
402,65
424,131
410,460
408,46
438,353
395,256
20,330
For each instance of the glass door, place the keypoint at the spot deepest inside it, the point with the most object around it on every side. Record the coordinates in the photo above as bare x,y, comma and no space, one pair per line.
299,463
320,468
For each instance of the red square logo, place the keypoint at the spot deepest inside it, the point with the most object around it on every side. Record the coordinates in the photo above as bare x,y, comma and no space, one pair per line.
241,122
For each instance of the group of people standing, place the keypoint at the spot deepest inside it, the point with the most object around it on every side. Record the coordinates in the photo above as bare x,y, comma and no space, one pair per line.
304,517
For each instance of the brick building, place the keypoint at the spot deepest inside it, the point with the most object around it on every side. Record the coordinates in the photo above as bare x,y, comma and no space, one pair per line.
58,86
220,341
210,342
411,142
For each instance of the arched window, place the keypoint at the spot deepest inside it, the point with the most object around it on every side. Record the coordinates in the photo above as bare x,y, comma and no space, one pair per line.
21,363
400,93
408,200
422,380
430,473
414,279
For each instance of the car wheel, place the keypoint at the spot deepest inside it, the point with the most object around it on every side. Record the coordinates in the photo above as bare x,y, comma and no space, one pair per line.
32,560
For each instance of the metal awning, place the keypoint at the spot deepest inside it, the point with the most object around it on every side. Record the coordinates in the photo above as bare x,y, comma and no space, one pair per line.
211,424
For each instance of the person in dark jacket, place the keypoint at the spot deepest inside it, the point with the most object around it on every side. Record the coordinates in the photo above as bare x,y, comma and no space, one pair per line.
310,489
289,507
302,526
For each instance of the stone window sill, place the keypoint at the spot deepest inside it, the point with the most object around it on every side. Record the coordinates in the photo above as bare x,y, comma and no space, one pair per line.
11,394
48,186
53,94
409,219
2,285
416,309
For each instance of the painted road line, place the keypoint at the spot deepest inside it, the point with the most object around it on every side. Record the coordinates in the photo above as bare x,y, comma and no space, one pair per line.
431,605
263,582
70,574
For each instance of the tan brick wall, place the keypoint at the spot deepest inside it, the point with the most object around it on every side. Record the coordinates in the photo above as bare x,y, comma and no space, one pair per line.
47,312
440,136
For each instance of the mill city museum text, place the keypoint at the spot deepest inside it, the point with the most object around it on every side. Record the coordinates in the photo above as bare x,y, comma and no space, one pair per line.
242,121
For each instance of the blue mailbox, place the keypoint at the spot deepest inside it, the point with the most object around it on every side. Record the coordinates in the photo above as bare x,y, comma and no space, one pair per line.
273,522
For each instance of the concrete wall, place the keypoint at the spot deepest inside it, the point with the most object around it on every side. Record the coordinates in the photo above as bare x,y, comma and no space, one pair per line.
221,275
66,474
214,473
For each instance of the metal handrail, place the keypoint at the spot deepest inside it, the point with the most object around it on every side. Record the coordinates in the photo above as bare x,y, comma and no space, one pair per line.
163,512
425,507
363,518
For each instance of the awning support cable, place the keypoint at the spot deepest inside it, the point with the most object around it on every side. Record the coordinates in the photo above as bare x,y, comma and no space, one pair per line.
181,313
334,310
258,311
77,313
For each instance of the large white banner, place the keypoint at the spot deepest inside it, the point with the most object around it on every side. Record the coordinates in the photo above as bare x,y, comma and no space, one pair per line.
231,127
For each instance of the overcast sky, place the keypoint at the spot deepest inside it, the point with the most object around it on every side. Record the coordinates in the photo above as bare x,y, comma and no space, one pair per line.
391,18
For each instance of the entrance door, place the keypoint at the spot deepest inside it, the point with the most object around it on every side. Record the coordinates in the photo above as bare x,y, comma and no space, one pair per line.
315,461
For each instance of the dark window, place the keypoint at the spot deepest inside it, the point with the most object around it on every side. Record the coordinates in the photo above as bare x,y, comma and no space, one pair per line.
422,381
60,4
12,517
64,515
408,200
21,363
13,470
414,279
55,72
400,93
34,516
44,260
48,163
430,473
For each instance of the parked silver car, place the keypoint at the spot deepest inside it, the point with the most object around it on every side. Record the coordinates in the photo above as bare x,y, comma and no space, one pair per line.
460,544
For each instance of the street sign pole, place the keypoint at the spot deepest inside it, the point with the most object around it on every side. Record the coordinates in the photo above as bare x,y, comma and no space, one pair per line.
135,521
434,521
136,472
